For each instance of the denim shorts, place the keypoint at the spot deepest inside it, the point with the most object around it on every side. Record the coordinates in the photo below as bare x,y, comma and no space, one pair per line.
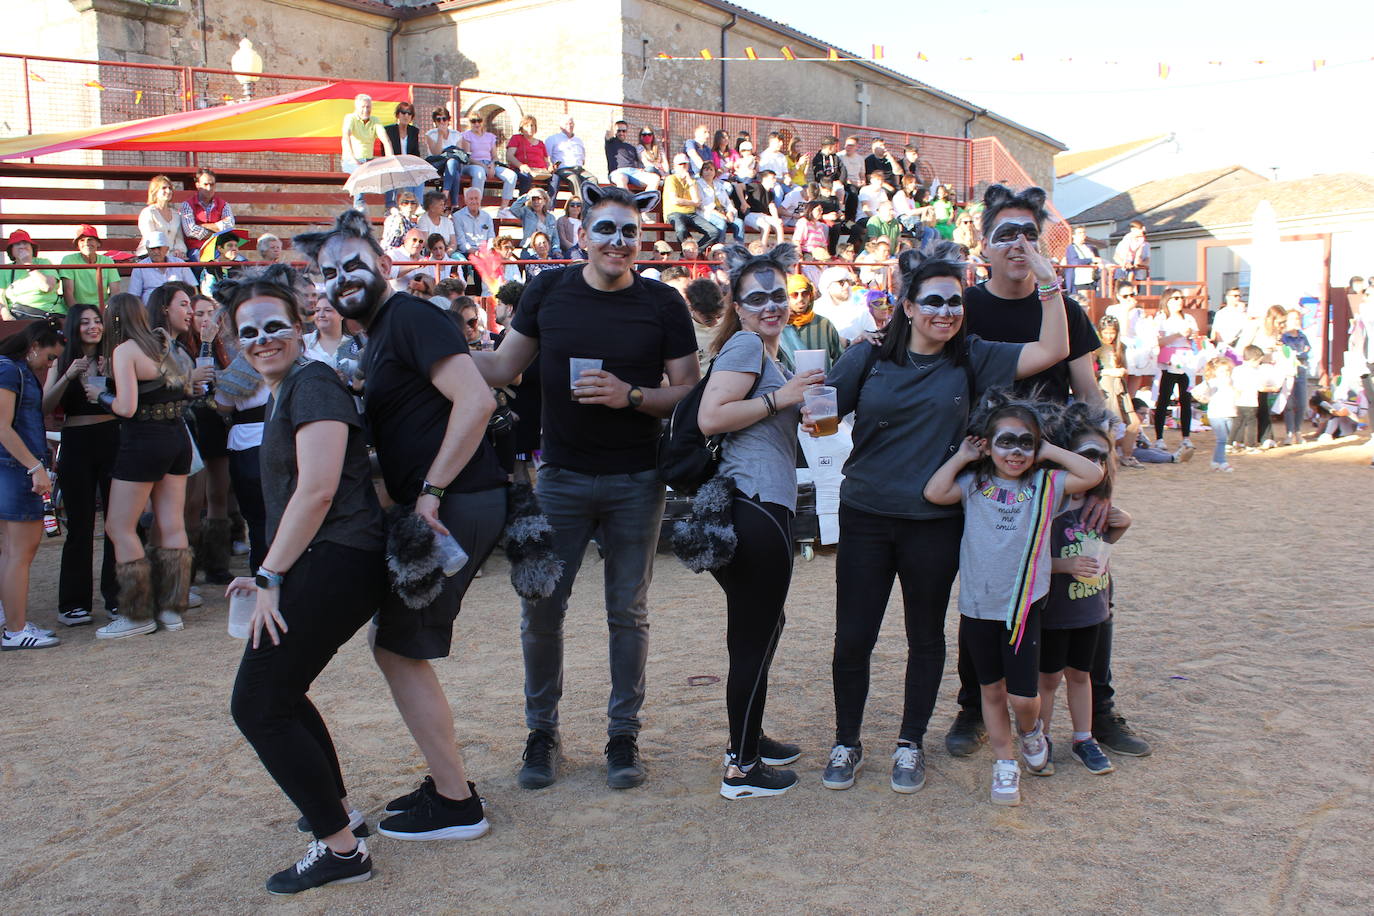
18,502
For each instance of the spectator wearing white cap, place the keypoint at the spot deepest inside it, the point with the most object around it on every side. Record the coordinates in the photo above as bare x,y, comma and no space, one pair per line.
84,285
27,293
144,280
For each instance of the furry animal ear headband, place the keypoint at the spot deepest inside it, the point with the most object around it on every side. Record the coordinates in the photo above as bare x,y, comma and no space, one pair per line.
348,224
280,279
740,262
593,194
1048,413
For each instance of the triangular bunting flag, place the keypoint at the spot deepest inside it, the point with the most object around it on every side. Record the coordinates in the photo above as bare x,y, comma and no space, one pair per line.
751,54
787,53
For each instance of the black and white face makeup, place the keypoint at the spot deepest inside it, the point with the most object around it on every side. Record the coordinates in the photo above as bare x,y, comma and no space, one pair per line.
611,237
354,278
1013,448
1005,233
761,302
1005,256
270,339
936,314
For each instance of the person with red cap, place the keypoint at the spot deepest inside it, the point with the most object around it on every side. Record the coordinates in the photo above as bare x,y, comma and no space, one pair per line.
26,293
83,286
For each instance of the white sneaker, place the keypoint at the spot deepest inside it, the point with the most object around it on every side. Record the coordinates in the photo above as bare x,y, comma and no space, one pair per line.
193,598
1159,444
123,626
76,617
1267,444
170,620
240,549
1006,783
30,637
36,629
1187,443
1036,750
1184,453
1222,466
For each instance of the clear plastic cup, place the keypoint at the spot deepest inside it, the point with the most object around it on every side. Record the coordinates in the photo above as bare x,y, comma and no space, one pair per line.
1100,551
99,381
806,360
824,408
576,366
241,605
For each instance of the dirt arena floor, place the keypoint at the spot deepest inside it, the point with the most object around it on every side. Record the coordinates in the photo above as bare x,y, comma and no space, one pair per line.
1244,626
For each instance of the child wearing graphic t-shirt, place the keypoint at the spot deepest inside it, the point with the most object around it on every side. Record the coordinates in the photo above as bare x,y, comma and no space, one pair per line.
1004,569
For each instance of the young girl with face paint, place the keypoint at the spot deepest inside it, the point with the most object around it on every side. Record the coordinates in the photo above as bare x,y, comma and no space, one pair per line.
1004,569
322,578
759,456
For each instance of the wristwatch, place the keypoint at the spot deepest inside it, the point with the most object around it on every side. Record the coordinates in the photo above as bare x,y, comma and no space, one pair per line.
430,489
635,396
268,579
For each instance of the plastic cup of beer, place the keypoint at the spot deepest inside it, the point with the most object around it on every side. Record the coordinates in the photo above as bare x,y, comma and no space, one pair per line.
578,365
806,360
241,605
824,408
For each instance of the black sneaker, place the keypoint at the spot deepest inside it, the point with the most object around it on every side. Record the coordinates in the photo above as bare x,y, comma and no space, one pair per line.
541,760
322,867
777,753
761,780
966,734
434,817
623,767
1111,729
410,799
356,822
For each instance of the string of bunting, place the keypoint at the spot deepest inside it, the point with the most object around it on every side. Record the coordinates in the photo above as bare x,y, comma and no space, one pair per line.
97,85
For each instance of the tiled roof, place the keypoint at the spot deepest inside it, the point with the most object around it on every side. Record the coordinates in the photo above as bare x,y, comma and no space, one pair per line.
1302,197
1078,160
1140,201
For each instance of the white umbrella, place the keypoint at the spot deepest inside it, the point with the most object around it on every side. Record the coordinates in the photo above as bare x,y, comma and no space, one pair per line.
390,173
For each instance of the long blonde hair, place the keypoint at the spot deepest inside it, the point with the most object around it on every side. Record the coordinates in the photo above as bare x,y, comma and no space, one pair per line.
126,318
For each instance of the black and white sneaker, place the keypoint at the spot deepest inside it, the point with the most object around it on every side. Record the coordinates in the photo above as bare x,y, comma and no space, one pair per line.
410,799
76,617
777,753
321,867
356,822
761,780
29,637
434,817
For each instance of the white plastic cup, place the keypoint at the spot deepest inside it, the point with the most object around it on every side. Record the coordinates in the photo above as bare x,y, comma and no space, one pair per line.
98,381
576,366
1099,550
241,605
824,408
806,360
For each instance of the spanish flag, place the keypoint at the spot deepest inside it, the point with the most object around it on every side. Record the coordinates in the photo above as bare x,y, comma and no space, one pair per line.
1019,57
305,121
877,52
834,55
787,53
1164,71
751,54
920,55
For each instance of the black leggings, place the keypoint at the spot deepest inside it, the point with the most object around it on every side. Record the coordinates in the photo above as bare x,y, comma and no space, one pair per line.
84,464
873,549
329,593
245,473
1264,417
1167,382
755,583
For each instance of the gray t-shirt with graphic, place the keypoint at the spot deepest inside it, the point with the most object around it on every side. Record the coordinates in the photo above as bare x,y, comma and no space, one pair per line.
999,520
762,458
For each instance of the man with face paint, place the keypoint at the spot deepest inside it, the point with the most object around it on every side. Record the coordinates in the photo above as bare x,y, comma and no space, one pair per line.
428,410
1007,308
599,472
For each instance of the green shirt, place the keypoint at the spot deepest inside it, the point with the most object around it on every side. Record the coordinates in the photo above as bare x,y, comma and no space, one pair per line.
816,334
20,287
84,286
877,228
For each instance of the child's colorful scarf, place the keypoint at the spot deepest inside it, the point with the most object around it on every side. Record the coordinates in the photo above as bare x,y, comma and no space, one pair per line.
1041,515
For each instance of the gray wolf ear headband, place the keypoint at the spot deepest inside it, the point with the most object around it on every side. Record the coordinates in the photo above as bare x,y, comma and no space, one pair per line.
593,194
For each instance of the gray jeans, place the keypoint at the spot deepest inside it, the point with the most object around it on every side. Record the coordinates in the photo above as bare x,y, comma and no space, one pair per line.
623,512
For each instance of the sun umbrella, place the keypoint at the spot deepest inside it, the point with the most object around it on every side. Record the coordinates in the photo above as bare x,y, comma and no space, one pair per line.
389,173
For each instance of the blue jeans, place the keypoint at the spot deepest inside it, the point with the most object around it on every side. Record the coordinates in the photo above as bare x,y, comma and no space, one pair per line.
479,178
686,223
724,225
624,512
1296,408
573,173
1221,428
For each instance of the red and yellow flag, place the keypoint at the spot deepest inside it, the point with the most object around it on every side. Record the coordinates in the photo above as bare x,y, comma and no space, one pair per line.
877,52
1019,57
787,53
834,55
1164,71
751,54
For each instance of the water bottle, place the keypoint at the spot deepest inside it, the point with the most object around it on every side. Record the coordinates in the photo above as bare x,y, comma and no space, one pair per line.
51,526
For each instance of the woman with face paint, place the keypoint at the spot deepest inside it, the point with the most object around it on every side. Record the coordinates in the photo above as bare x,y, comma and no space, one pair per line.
154,383
1004,567
759,456
90,439
321,580
911,397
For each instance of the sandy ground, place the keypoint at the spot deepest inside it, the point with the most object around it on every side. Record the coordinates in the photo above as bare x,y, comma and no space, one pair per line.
1243,651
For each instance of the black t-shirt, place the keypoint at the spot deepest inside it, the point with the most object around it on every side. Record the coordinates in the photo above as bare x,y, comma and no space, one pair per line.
1018,321
876,164
313,393
621,155
634,332
757,197
408,415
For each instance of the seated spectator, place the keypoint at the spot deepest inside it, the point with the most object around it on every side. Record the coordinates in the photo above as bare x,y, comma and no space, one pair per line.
540,249
966,233
794,201
205,215
527,154
811,230
161,216
404,217
143,280
83,285
420,283
876,259
697,148
826,164
532,209
436,218
872,194
691,259
878,307
226,249
908,202
718,203
412,249
682,203
442,140
677,276
568,227
480,145
405,141
747,166
662,251
269,249
911,164
880,160
883,224
652,155
28,293
359,138
510,272
853,162
723,155
705,304
805,329
836,301
774,160
473,224
568,156
436,250
944,207
797,163
762,212
623,161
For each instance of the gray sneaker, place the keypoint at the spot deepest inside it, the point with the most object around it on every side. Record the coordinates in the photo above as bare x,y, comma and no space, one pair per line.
908,769
845,763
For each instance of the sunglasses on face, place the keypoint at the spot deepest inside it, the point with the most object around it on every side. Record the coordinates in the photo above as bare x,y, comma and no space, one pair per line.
760,301
1007,442
939,305
1006,233
443,118
472,322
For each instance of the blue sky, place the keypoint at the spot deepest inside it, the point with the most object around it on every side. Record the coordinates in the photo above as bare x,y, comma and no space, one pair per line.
1278,115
